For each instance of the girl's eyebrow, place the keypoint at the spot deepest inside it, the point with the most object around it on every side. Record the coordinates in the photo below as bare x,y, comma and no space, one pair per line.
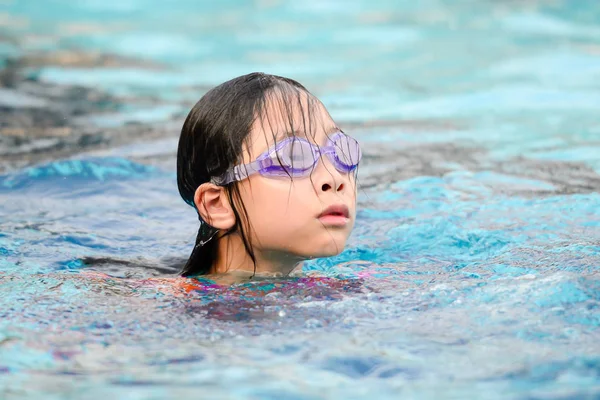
333,129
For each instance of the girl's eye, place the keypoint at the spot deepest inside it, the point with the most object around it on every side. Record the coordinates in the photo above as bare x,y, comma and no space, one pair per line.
296,154
347,150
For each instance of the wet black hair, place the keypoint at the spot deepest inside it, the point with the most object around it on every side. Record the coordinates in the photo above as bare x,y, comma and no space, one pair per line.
211,141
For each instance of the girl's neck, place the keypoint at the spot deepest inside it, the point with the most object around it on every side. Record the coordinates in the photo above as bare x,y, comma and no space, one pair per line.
233,258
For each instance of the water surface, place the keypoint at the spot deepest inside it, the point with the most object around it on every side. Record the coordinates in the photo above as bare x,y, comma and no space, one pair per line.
473,271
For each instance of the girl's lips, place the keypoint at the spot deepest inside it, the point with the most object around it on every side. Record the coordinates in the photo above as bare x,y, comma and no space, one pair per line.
334,220
336,215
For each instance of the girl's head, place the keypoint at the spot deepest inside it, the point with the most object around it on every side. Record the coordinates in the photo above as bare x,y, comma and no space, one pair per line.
269,173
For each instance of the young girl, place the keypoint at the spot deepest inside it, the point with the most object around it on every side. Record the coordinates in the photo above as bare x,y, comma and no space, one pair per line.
271,175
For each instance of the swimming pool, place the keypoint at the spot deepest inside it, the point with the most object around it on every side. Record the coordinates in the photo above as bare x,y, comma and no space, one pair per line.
473,270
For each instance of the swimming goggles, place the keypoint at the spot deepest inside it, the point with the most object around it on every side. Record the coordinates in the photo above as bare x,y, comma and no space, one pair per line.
296,157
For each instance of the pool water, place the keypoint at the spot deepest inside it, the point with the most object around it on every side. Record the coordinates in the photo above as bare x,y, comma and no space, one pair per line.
474,267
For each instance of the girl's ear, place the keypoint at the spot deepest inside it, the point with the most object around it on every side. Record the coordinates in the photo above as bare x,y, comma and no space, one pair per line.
214,207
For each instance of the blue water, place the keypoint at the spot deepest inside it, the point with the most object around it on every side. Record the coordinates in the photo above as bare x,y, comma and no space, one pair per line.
473,270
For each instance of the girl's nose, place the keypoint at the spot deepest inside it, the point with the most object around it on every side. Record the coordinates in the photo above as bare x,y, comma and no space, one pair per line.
329,178
327,186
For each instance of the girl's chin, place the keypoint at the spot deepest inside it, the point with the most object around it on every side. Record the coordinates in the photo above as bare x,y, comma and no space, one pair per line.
328,245
329,251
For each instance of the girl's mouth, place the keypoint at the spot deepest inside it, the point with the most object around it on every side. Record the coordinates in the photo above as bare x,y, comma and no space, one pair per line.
336,215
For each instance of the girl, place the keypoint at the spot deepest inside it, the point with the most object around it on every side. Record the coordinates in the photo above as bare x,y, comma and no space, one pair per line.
272,177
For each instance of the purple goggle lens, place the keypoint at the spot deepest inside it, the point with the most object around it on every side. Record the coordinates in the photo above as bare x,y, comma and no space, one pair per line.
297,157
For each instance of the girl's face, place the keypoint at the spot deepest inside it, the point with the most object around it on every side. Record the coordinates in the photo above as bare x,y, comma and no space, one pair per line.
303,216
